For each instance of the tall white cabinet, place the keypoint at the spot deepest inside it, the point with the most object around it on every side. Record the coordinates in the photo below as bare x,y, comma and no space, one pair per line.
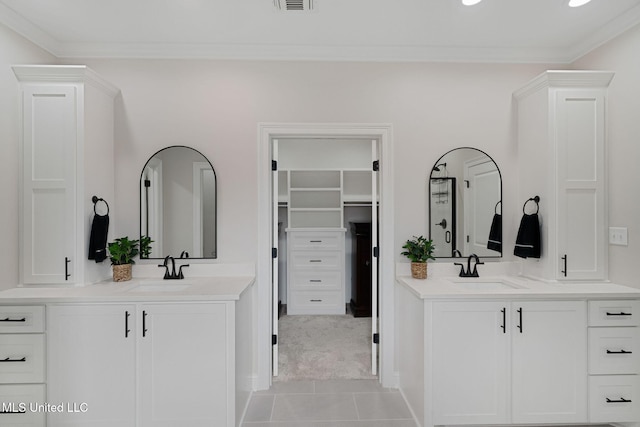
561,123
67,133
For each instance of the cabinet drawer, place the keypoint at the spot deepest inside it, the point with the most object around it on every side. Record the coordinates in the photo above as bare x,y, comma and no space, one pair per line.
21,358
316,260
614,350
309,302
614,313
614,398
314,240
21,319
20,405
316,280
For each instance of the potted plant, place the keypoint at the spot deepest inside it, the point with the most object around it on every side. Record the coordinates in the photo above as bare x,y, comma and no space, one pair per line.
419,250
122,252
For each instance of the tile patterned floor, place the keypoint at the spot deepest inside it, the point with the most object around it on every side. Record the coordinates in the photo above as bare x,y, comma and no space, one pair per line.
328,403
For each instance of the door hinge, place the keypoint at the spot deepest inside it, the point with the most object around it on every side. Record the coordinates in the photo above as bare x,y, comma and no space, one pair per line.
376,338
466,181
274,339
274,252
375,252
274,165
376,165
467,238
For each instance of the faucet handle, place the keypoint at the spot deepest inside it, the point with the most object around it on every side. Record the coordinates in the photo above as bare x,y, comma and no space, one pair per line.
180,275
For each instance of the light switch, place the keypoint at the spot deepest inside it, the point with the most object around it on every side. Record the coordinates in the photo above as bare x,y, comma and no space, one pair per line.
618,236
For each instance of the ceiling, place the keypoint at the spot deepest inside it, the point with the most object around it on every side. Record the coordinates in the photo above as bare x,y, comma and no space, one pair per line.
546,31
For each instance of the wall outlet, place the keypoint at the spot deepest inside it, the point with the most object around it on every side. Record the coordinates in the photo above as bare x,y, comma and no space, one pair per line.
618,236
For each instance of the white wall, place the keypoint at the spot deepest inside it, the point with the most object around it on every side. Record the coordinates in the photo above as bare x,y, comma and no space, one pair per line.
13,50
621,55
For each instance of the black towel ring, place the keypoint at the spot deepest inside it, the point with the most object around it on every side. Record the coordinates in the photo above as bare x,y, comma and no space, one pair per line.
535,199
95,201
495,209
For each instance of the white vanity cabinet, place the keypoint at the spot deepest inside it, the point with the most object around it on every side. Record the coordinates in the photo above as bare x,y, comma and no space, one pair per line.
561,121
66,158
509,362
147,365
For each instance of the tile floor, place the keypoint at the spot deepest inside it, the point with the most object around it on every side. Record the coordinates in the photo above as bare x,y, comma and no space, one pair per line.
328,403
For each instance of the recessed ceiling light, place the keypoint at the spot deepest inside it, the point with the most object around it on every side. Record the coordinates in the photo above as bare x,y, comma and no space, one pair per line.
578,3
470,2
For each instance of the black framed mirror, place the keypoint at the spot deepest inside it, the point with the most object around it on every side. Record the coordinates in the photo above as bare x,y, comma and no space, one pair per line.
465,204
178,203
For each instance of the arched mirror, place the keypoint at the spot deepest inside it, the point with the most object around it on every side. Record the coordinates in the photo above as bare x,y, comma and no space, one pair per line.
465,204
178,204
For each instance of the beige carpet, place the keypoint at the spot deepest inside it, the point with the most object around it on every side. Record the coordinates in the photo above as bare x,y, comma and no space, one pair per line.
324,347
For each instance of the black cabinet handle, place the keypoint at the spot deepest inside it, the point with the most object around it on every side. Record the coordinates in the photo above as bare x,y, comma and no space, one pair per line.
621,400
619,352
315,260
144,323
504,320
564,258
24,319
315,280
315,241
126,324
622,313
315,300
66,268
8,359
520,319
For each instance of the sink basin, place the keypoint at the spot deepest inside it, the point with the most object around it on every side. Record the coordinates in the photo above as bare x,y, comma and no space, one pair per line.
160,287
485,285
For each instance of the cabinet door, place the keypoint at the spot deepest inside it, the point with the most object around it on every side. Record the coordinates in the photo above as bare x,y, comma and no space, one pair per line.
581,206
91,360
549,372
48,198
471,363
187,371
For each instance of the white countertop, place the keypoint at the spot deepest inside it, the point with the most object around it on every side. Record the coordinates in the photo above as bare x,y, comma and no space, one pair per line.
203,289
511,287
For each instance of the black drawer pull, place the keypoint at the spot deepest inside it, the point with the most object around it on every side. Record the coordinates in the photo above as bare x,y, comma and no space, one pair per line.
24,319
504,321
315,300
8,359
315,260
621,400
126,324
622,313
315,280
619,352
315,241
144,323
13,412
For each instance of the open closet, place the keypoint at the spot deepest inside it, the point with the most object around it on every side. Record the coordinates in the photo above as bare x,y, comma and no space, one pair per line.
326,205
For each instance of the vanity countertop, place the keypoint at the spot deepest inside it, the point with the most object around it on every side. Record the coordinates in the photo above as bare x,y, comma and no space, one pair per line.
196,289
510,287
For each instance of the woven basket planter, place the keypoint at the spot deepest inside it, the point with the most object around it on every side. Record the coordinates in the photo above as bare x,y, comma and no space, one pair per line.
419,270
122,272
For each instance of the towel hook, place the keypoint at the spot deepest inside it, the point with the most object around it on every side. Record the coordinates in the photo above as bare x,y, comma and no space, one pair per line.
495,209
95,200
535,199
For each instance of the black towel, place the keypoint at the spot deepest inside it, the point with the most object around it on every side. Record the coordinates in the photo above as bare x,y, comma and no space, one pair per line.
98,238
495,234
528,239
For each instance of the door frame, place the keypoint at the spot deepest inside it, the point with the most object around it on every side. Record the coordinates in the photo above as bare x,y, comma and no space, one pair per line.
262,332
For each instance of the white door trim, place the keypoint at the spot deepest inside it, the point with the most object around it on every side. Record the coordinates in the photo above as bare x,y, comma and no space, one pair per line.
381,132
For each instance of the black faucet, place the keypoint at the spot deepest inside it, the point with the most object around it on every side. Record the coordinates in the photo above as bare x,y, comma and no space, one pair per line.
172,275
468,272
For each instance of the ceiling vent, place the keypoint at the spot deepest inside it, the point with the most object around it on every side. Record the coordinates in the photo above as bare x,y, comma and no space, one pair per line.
300,5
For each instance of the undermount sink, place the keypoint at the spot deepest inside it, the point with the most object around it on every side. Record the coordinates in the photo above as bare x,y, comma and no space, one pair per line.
485,285
160,286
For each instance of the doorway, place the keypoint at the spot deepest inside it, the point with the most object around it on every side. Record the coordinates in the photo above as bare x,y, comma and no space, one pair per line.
268,269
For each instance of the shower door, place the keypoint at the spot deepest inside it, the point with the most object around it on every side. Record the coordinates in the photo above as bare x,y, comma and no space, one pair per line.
442,226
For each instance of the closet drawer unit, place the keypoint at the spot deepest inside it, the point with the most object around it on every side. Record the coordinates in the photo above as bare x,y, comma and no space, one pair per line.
21,358
614,350
312,240
21,319
316,302
316,260
614,313
316,280
20,405
614,398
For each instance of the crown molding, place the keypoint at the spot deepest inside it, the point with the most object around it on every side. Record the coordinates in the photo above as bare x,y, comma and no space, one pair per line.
29,31
565,79
64,74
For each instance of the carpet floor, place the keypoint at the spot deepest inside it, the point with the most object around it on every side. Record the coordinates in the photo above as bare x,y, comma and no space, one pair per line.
324,347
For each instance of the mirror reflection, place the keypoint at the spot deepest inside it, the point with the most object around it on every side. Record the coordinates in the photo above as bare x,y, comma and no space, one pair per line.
465,205
178,204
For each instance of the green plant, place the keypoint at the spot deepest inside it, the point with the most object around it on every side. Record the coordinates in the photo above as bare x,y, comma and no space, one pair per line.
145,246
419,249
123,250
